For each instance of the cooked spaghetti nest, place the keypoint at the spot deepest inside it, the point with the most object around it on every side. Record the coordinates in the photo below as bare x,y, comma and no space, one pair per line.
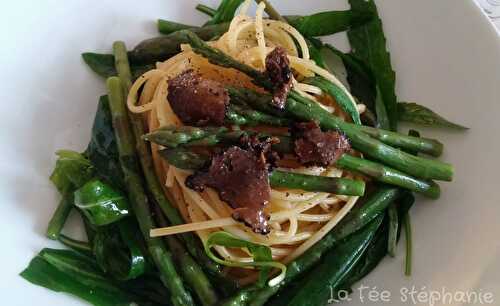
298,219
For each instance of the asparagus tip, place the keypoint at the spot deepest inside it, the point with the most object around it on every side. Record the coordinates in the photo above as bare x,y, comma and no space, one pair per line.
52,236
118,44
434,192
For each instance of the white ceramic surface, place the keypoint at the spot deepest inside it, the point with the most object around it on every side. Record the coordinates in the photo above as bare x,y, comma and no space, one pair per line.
446,56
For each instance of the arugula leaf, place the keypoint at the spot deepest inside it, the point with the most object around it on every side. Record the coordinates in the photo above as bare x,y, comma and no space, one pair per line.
77,265
327,23
394,227
369,44
67,271
335,65
101,203
119,250
383,121
102,149
72,170
104,65
225,12
404,204
81,247
418,114
373,255
262,256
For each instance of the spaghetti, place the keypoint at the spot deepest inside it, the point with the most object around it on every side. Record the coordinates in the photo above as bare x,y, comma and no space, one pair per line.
298,219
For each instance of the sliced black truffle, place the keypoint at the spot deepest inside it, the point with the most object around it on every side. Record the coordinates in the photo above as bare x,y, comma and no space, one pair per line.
278,70
315,147
240,175
197,101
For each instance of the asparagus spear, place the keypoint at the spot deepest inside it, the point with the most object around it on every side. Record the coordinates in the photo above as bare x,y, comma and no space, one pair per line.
316,183
193,273
217,57
189,268
406,223
188,136
278,179
163,47
338,95
254,117
169,27
388,175
191,136
422,145
243,97
172,137
138,199
355,220
60,216
206,9
309,26
261,102
271,11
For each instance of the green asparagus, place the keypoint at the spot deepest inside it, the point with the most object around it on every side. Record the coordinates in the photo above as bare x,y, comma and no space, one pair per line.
338,95
163,47
169,27
271,11
254,117
278,179
137,196
316,183
189,268
192,271
206,9
172,137
388,175
60,216
217,57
